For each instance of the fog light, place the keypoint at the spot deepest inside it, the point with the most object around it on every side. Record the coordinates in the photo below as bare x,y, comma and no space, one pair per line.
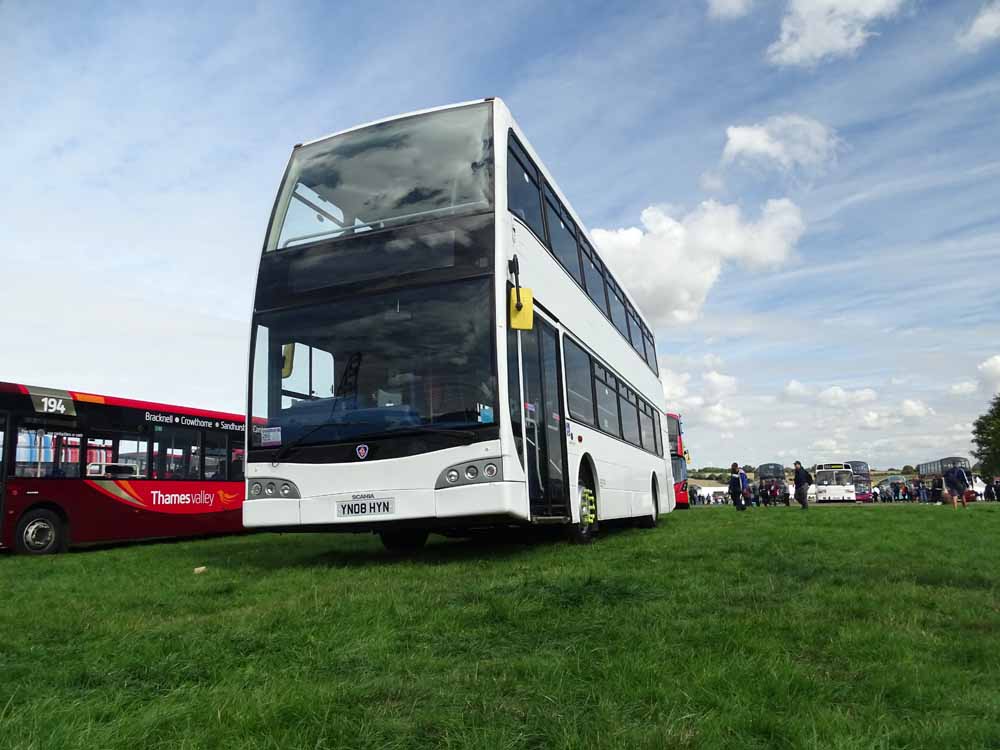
490,470
452,475
270,488
256,488
471,472
286,489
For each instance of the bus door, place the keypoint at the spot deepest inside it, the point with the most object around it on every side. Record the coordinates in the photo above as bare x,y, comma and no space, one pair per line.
544,422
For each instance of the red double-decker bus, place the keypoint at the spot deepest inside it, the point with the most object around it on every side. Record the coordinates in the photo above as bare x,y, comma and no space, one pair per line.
79,468
675,435
678,459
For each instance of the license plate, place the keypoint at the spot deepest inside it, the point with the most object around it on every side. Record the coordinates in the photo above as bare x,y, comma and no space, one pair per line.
385,506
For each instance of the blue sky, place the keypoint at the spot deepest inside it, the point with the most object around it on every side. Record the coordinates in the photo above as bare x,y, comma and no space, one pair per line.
804,194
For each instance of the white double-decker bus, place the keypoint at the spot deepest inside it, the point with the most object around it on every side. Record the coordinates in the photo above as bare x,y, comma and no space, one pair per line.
436,345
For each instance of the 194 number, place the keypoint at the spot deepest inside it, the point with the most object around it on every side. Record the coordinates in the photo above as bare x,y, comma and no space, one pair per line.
52,405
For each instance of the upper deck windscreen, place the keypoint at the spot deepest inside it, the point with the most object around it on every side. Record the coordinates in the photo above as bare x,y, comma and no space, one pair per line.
860,468
392,173
770,471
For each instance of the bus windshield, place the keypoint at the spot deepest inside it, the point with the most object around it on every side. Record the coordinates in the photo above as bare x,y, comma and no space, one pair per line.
393,173
834,477
375,364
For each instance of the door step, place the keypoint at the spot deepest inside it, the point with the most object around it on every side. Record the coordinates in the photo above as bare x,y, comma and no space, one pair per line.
549,519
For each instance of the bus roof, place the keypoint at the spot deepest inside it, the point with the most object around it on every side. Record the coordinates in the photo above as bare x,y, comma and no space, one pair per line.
94,398
391,118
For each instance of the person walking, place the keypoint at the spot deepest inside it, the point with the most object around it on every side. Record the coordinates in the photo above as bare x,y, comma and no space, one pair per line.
736,487
990,493
937,487
803,479
957,483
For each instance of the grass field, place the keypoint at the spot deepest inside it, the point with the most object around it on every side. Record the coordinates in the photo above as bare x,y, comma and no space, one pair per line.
837,628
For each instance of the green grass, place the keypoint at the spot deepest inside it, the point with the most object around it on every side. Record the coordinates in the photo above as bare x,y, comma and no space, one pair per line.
851,627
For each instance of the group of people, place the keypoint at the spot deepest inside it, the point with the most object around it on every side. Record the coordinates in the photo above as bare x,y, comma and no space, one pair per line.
954,485
744,494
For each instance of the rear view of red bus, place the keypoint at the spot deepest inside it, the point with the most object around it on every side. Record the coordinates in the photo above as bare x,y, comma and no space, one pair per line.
79,468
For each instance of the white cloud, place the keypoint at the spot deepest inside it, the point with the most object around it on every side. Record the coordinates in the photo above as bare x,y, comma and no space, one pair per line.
989,373
816,30
787,141
985,28
962,428
727,9
674,385
786,424
826,445
716,385
837,396
671,264
833,395
914,409
721,415
964,388
796,391
876,420
727,435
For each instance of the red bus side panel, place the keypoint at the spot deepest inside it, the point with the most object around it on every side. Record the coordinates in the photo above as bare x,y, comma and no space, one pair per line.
100,510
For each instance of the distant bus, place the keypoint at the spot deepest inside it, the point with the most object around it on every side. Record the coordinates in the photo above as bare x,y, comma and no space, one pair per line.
675,434
79,468
862,480
834,483
680,471
438,346
939,467
930,469
771,483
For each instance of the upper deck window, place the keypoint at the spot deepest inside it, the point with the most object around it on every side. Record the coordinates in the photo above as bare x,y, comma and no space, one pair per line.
397,172
523,197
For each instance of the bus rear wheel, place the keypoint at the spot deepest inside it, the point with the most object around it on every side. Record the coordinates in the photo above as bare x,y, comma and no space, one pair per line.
404,540
649,522
40,532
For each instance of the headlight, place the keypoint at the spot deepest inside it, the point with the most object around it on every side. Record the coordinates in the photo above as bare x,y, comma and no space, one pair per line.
286,489
452,475
490,470
471,472
256,488
270,488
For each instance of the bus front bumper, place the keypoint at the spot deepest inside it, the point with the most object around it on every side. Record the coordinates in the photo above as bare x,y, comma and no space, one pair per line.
373,508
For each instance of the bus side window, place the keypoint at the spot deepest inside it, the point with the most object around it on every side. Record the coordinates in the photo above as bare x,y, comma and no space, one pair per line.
215,456
45,453
236,463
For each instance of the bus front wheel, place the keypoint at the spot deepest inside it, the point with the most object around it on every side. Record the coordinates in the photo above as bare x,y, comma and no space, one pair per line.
404,540
40,532
585,530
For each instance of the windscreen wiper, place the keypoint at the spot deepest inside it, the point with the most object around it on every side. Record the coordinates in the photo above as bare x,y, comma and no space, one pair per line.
286,450
432,428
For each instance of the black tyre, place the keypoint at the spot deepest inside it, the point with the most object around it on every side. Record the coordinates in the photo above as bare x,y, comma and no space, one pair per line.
404,540
40,532
649,522
585,530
